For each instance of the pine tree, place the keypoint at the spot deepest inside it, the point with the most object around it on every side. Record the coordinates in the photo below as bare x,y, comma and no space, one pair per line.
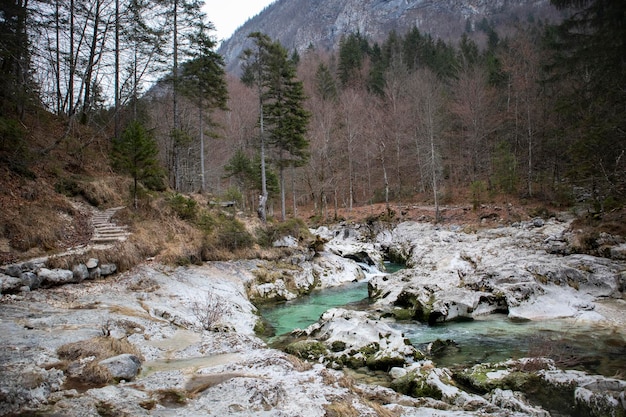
135,153
14,56
286,117
590,58
203,80
352,53
255,71
281,99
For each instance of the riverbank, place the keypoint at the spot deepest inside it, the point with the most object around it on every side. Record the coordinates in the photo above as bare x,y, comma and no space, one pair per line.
193,329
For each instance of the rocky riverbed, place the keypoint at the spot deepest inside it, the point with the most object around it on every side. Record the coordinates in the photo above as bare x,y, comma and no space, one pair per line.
168,341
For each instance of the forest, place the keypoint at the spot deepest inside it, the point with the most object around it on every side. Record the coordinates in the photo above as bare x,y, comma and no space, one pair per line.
536,113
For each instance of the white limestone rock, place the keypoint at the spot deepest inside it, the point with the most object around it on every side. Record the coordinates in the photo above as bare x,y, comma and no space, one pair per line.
122,367
56,276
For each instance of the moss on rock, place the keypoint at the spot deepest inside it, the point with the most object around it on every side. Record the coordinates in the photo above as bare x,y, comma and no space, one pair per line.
415,384
307,349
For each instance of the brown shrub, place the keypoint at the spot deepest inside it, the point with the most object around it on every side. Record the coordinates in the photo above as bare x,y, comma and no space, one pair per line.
96,374
171,397
35,227
341,408
100,347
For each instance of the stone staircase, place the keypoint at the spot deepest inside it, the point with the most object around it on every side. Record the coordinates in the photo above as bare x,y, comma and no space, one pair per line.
105,231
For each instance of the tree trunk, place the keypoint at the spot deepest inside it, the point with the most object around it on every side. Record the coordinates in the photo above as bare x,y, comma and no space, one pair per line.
175,100
116,129
70,87
263,199
57,24
202,171
283,211
91,62
293,191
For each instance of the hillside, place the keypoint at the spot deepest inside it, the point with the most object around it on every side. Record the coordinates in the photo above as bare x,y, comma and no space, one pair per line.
299,24
367,134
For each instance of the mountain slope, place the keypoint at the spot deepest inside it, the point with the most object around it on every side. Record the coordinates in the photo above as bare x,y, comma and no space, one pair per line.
299,24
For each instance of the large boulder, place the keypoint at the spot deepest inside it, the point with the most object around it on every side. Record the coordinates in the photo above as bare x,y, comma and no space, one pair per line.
355,339
13,270
352,242
122,367
31,280
80,272
107,269
56,276
9,284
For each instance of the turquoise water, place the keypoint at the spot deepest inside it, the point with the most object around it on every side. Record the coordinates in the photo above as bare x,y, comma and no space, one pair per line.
391,267
304,311
493,338
496,338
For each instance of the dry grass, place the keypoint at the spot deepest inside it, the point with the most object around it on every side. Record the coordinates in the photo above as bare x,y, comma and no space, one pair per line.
107,192
36,225
382,411
99,348
106,409
130,312
328,378
171,397
298,364
158,234
341,408
95,374
125,255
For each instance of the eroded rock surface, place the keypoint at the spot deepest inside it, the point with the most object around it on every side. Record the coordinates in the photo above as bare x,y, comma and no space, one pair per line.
454,274
194,326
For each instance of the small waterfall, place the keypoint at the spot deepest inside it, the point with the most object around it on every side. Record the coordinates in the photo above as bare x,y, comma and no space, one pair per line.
370,271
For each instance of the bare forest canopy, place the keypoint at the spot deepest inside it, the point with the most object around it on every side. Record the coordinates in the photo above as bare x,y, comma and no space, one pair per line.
538,111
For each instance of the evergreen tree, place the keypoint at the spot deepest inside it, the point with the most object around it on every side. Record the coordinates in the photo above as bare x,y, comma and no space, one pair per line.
376,81
135,153
255,74
15,82
352,53
245,171
590,58
281,99
182,17
203,80
325,83
286,117
411,48
240,167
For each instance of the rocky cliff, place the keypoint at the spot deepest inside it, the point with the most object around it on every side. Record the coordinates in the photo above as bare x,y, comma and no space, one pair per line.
299,24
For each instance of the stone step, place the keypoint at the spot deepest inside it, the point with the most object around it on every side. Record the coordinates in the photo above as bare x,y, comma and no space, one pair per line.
102,240
110,235
108,227
105,231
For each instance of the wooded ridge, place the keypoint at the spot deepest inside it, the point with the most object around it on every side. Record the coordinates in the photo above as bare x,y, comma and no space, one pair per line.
533,110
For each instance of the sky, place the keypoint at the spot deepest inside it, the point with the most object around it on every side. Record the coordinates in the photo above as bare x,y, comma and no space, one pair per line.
228,15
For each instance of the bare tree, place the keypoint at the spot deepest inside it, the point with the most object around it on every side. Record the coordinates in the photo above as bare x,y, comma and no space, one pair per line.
475,110
522,63
351,102
427,91
396,102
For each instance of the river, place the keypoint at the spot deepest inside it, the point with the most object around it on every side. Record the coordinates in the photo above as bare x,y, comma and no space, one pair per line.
585,346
